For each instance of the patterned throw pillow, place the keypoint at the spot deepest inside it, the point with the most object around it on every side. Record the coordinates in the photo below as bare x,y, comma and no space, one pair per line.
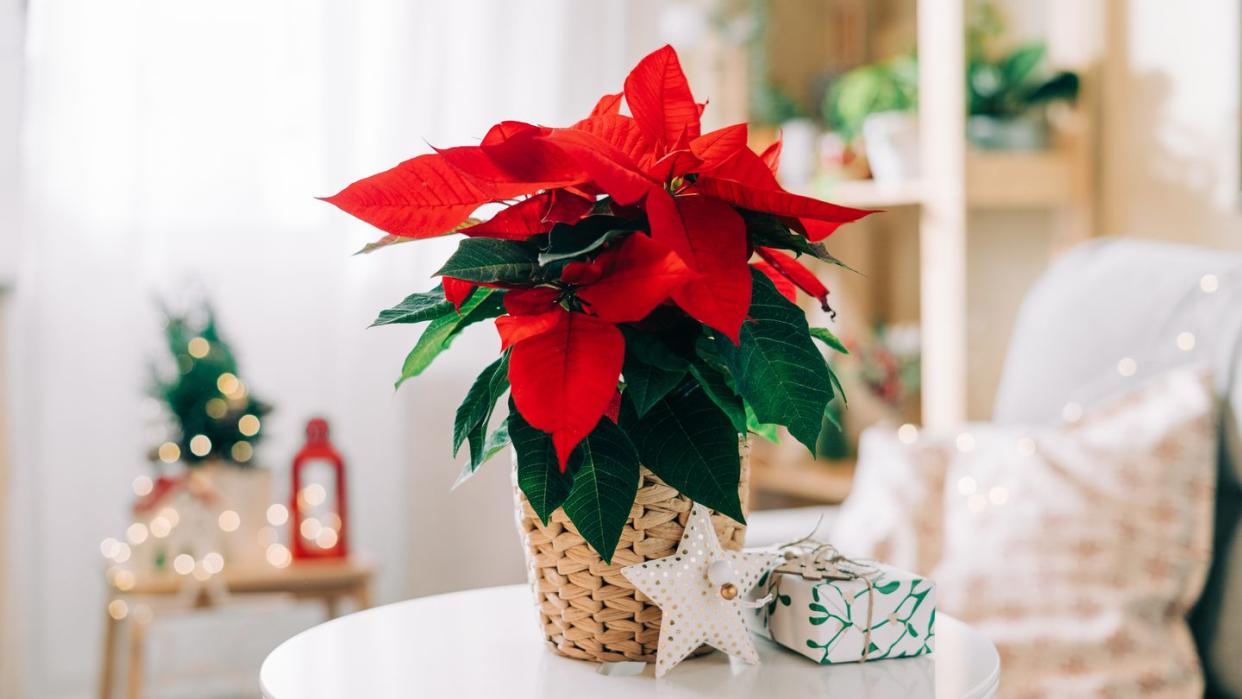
895,512
1078,549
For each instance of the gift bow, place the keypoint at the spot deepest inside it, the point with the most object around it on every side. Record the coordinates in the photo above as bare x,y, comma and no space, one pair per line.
815,560
823,562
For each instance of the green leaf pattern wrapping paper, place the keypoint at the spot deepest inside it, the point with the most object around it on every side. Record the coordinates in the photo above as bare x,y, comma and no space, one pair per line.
826,620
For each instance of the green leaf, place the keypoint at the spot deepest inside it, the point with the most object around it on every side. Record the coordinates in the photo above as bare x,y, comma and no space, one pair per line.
777,367
686,440
721,392
1019,65
836,386
425,305
1062,86
491,260
475,411
496,441
483,304
390,240
657,351
646,383
605,481
538,472
768,231
766,430
825,336
591,233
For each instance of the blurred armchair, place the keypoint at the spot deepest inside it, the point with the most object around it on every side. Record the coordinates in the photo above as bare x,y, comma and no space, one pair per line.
1146,306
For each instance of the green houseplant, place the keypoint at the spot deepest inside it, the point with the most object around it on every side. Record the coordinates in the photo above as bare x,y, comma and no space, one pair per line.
639,343
878,102
1006,95
1006,90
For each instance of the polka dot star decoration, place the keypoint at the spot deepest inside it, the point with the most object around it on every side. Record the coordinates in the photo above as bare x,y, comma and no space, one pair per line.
701,591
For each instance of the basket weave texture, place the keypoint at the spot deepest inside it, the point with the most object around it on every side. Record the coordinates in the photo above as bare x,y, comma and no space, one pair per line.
588,609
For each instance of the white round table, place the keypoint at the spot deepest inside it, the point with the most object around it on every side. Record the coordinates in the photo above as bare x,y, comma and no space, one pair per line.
486,643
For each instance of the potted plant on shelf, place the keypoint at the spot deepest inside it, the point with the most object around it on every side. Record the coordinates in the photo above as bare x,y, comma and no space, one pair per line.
638,342
878,102
1007,99
1006,92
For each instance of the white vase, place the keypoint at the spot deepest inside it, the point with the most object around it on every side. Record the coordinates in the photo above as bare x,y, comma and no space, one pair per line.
1026,132
892,143
798,152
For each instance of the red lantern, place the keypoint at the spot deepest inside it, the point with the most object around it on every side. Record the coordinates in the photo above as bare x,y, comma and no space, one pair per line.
318,524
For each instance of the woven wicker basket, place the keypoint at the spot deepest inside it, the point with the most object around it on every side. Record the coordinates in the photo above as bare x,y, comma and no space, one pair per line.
588,609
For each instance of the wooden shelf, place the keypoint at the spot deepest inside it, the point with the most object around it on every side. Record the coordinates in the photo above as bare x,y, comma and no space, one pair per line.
865,194
994,180
1021,179
300,576
827,483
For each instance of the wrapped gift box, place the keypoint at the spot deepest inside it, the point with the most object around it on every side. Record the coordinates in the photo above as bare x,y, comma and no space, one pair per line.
834,618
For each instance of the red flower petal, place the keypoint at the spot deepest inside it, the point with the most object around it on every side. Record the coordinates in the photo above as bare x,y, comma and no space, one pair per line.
715,147
816,231
456,291
508,129
613,411
675,164
567,207
622,133
531,301
563,379
747,168
608,104
627,282
711,238
531,216
420,198
777,202
780,281
610,168
522,163
513,329
796,272
660,100
771,156
517,222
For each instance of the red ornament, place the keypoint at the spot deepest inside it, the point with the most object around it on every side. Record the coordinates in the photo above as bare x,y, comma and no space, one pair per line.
318,523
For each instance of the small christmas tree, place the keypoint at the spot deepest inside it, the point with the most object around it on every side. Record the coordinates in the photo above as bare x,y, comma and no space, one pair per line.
215,415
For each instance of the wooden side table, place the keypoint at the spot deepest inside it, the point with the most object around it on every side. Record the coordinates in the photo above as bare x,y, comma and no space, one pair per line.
326,581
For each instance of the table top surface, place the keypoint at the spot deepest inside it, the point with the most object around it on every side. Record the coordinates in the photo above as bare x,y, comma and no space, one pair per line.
309,575
488,643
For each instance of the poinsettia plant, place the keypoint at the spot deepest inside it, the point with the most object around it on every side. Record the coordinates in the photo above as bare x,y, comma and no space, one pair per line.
634,327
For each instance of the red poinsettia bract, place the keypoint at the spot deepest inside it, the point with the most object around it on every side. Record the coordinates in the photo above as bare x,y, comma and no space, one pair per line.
686,192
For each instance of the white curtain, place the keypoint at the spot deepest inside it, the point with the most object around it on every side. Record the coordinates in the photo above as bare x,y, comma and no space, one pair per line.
173,148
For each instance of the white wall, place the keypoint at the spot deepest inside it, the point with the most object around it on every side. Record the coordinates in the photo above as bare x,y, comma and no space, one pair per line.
1171,122
176,146
11,32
